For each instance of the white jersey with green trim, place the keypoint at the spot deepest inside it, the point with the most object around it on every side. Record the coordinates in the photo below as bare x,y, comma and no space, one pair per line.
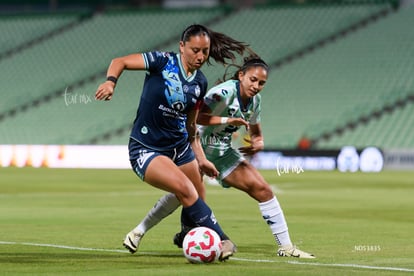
224,101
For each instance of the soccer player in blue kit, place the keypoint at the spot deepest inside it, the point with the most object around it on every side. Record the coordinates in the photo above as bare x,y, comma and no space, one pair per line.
163,150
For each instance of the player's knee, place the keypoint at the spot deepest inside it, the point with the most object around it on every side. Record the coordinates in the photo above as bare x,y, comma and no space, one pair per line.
263,192
186,194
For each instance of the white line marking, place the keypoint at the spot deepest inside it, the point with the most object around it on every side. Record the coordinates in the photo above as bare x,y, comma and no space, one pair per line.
330,265
64,247
66,194
385,268
356,266
276,189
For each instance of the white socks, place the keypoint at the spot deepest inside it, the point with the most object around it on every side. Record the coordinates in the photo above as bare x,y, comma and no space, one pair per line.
273,215
163,208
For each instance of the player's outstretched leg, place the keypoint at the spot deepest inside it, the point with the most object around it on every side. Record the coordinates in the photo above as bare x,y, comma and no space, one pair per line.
163,208
273,215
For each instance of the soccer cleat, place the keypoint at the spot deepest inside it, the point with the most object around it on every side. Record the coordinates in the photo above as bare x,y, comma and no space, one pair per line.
292,251
227,250
132,241
178,239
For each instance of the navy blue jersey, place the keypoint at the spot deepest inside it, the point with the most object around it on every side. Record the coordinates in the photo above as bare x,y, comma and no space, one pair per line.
167,96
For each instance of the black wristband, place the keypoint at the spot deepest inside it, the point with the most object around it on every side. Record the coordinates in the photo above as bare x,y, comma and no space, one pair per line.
112,78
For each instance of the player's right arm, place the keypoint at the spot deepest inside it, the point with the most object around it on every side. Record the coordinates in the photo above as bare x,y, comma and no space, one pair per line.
115,69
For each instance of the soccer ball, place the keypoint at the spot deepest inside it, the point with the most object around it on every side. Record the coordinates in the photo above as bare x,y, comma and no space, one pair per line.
202,245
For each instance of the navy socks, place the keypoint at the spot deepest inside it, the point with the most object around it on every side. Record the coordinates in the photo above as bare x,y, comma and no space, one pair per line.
200,214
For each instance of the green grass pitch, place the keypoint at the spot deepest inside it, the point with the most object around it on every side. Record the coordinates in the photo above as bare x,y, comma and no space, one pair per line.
72,222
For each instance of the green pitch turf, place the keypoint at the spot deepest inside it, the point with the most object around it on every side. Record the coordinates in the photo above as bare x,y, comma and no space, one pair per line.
73,222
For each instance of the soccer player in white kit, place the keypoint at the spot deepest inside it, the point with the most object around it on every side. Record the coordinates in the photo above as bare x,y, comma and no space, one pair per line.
227,107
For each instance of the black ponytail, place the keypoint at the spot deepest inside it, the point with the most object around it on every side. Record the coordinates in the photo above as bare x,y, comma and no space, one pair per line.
222,47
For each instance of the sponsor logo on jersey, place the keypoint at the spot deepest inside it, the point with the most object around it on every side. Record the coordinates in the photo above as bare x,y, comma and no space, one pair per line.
179,106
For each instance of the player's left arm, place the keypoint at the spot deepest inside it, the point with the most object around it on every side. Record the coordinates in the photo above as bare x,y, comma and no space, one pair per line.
255,142
256,136
205,118
206,166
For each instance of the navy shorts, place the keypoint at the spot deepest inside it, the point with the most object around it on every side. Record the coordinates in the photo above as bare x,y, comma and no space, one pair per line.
140,156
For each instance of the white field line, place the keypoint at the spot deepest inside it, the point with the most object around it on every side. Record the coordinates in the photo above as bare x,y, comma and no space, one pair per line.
331,265
85,194
276,189
233,258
